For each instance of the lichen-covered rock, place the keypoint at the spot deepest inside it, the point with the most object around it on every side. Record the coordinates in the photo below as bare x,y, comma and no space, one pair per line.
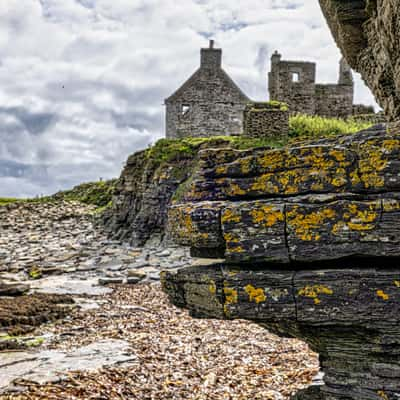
368,33
316,202
311,251
350,316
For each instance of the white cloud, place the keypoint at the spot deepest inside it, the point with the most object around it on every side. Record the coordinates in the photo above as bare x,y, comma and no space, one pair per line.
82,82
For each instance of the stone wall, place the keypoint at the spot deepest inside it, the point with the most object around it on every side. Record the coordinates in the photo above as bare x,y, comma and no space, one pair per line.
334,101
208,104
266,120
299,95
294,83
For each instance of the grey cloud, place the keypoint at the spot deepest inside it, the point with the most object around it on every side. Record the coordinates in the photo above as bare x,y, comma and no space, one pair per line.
34,123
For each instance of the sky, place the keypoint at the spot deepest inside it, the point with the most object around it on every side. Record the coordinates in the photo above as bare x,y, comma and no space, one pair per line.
82,82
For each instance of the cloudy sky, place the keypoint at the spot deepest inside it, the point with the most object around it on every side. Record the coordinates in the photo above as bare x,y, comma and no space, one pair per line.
82,82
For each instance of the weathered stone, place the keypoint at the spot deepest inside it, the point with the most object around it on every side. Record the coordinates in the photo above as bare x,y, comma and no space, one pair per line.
268,120
294,82
13,289
367,32
349,315
207,104
311,251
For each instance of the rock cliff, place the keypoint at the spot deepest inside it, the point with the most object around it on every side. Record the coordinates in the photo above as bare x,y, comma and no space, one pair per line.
309,235
147,185
368,33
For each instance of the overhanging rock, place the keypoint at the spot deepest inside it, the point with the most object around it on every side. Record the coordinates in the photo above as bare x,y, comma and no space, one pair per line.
310,237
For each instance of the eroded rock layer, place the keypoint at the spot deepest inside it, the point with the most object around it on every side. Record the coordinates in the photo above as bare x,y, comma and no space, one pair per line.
310,237
368,33
316,202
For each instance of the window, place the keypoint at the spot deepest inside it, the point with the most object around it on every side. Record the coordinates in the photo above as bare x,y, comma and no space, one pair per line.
185,109
295,77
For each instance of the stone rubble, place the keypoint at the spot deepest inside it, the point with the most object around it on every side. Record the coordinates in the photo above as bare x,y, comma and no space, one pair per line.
40,240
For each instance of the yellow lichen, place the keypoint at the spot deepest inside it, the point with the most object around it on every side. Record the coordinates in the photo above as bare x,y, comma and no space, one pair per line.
397,283
256,295
235,249
265,184
307,226
267,215
245,165
212,287
339,155
313,292
371,164
229,237
382,394
231,297
221,170
361,220
228,215
391,205
272,159
382,295
235,190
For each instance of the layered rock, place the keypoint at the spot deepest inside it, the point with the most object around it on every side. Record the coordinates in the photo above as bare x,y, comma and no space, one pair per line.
142,195
368,33
310,237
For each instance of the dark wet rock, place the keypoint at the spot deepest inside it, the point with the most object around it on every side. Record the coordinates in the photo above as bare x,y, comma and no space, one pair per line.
310,237
110,280
13,289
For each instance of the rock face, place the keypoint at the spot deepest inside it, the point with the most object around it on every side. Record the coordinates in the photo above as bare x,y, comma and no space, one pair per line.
142,196
310,237
368,33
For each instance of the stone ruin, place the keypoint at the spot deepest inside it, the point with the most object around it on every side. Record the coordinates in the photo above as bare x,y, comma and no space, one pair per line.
266,120
294,83
209,103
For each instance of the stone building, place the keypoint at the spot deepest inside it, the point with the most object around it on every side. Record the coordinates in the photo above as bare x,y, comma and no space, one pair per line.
209,103
294,83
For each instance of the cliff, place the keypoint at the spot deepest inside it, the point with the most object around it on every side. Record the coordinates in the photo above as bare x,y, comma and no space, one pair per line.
149,182
367,32
310,239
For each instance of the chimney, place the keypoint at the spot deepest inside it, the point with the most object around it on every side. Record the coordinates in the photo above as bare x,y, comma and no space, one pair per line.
276,57
211,57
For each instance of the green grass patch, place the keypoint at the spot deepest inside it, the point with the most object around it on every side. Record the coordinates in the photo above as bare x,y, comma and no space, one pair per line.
306,126
98,193
8,200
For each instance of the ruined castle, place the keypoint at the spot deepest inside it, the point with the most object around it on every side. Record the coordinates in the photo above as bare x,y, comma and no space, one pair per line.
209,103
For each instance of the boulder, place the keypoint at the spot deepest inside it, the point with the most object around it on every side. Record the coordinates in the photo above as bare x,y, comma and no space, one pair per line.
310,237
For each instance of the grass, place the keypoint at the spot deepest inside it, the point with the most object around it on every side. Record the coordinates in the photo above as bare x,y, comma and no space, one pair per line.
98,194
300,127
8,200
308,127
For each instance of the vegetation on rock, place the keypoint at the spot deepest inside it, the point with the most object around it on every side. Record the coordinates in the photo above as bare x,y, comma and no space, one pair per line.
306,126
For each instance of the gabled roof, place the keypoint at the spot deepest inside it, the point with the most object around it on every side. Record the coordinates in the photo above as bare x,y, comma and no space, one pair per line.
223,76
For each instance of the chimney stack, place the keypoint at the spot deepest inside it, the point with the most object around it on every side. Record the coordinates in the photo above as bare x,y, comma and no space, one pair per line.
211,57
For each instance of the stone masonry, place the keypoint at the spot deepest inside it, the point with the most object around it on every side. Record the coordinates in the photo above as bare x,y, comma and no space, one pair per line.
266,120
294,82
207,104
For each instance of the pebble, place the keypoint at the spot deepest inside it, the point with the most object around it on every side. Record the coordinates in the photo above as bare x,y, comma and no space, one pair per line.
60,238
